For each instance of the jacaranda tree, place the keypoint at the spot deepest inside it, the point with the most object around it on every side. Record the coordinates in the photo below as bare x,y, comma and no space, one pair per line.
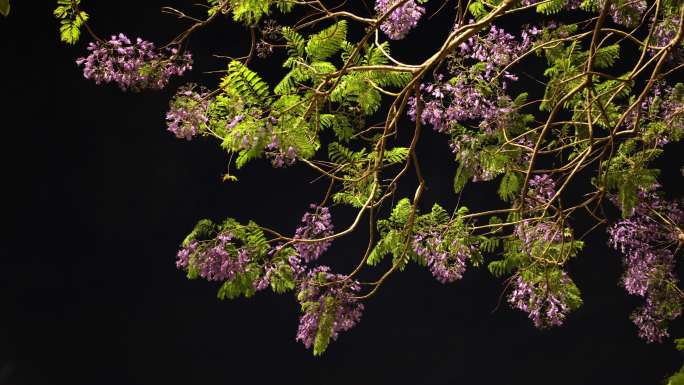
603,110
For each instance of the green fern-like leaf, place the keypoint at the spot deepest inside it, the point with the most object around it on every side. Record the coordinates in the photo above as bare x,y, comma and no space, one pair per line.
4,7
341,154
461,179
509,187
326,43
325,326
478,10
70,19
295,42
489,245
203,229
245,82
392,79
549,7
340,125
249,12
396,155
241,285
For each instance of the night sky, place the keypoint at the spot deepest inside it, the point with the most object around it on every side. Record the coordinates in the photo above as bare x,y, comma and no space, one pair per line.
98,196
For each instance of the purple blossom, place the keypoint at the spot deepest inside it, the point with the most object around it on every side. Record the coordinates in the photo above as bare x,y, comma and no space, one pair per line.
444,103
466,147
315,224
497,49
652,318
546,301
135,66
235,121
536,236
184,254
187,113
662,105
665,31
473,95
318,285
645,240
402,19
213,260
280,157
447,263
541,189
629,13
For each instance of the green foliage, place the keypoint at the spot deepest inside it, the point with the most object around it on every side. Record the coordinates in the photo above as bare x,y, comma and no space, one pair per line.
489,245
677,378
517,254
202,230
509,186
294,41
241,285
250,12
604,57
502,267
391,242
357,185
627,173
340,125
478,10
395,155
71,19
325,326
282,279
461,178
326,43
354,89
4,7
393,236
549,7
341,154
679,344
245,82
359,88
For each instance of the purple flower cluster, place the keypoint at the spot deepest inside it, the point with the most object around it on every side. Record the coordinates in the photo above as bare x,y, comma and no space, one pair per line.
320,284
467,148
463,98
187,112
547,303
447,263
497,49
645,239
661,105
444,103
402,20
664,32
280,157
135,66
213,261
541,189
629,13
536,237
316,224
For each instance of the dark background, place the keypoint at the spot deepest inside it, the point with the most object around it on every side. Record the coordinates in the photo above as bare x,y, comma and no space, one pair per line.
98,196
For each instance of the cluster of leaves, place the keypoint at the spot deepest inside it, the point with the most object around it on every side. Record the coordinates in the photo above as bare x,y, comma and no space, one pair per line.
248,12
71,20
4,7
592,116
251,238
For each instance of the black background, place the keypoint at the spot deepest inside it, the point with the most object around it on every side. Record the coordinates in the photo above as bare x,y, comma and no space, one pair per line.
98,195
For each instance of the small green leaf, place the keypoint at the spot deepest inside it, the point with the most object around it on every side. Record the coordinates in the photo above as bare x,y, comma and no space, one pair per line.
4,7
